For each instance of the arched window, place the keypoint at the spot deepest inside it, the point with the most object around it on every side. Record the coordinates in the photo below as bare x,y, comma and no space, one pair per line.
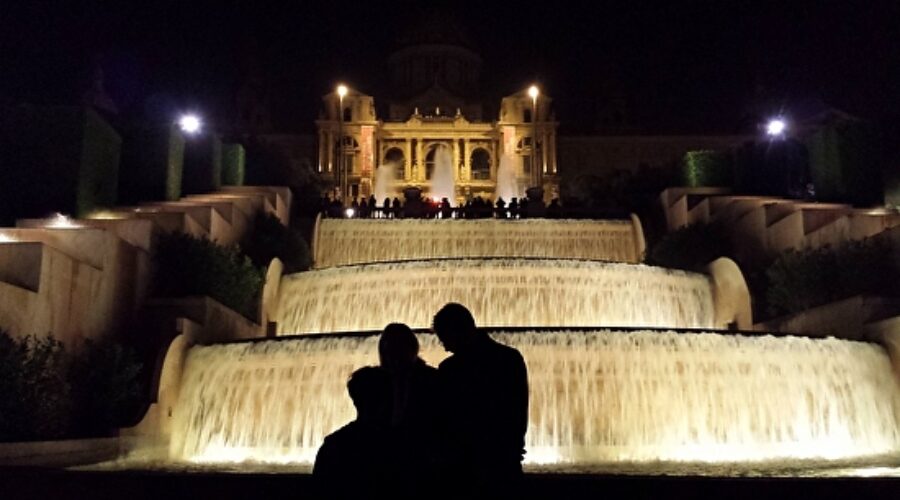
348,115
394,156
481,165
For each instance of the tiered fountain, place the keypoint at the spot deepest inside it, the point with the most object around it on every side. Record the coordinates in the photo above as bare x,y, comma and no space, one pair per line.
624,367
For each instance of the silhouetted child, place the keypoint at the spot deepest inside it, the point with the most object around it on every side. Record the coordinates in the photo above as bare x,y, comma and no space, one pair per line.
355,461
485,387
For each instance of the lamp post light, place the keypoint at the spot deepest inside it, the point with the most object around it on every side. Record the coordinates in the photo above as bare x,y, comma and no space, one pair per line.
342,169
535,173
190,124
776,127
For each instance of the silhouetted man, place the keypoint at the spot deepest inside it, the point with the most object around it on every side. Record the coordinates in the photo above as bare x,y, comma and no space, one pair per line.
486,390
355,461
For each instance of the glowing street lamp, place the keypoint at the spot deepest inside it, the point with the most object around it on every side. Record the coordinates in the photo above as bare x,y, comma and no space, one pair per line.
341,92
776,127
535,175
190,124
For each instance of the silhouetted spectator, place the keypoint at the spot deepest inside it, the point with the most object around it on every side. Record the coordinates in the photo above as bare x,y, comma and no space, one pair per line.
415,403
467,210
514,208
486,412
355,206
386,209
364,209
353,462
446,210
373,205
396,211
336,210
501,208
523,208
554,211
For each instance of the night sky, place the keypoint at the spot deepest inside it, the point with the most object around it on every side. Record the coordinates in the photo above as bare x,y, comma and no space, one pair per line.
679,66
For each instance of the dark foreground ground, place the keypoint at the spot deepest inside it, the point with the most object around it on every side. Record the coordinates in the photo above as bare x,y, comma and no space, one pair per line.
38,483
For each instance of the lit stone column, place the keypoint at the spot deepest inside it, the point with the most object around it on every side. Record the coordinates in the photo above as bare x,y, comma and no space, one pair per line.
456,173
553,152
329,142
407,161
544,145
467,160
420,161
320,159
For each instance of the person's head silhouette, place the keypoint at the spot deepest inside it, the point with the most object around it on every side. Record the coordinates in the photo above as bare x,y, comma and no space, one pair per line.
454,326
371,392
398,348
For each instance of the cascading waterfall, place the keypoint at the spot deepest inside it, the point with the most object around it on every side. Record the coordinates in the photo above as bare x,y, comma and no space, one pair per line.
499,292
596,397
362,241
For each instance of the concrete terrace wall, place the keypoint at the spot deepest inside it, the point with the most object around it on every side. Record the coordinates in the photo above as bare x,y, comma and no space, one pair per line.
87,281
762,227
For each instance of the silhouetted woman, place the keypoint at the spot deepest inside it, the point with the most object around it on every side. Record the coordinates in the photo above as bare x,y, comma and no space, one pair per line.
414,417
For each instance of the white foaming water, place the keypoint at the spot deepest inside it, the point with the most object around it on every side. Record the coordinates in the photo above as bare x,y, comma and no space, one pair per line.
596,397
362,241
507,187
385,182
499,292
443,182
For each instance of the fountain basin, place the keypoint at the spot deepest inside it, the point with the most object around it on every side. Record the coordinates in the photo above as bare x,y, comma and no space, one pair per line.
599,400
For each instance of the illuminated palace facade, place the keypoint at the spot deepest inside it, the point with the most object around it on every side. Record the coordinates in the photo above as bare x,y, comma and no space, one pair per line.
435,80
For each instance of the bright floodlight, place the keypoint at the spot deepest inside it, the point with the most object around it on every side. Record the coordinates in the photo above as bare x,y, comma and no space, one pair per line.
776,126
189,124
349,212
533,91
342,90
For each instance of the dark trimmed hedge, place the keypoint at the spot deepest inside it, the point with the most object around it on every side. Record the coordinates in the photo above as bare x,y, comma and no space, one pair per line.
233,164
706,168
799,280
56,159
187,265
152,164
202,164
845,163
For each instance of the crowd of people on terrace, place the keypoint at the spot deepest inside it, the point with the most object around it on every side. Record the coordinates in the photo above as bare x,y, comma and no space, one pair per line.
428,208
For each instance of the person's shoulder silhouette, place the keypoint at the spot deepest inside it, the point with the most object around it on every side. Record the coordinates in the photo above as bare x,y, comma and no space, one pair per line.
351,461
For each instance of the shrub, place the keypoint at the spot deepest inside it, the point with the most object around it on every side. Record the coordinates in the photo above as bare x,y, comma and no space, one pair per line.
187,265
35,398
799,280
690,248
47,393
270,239
105,385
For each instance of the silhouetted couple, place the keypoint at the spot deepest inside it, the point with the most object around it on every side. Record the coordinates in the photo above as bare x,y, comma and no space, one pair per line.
453,432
